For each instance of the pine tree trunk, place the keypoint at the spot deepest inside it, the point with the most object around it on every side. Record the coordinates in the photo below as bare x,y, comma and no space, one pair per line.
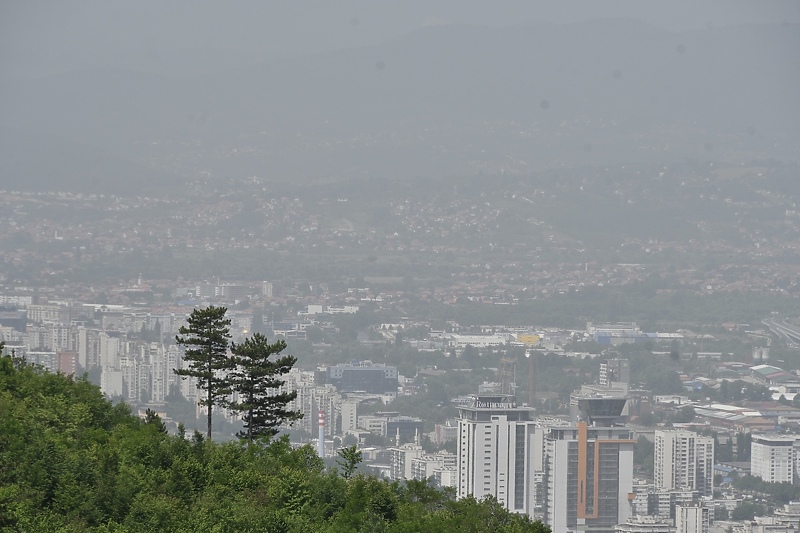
208,432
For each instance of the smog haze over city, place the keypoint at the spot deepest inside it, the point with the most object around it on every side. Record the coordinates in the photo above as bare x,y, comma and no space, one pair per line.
513,198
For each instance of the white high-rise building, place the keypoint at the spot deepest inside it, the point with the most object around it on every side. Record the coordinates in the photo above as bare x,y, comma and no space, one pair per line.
109,350
82,348
162,372
692,518
446,476
773,457
495,452
424,466
349,415
267,288
111,382
402,460
684,460
58,338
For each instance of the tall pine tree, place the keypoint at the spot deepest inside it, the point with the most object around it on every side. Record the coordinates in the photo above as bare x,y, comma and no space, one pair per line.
257,379
206,341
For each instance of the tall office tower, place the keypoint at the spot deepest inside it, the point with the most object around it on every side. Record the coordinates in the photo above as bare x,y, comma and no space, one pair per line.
772,457
684,460
692,518
615,371
589,469
495,452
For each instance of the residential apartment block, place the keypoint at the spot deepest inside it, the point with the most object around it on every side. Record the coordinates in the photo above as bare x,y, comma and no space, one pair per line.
684,460
773,458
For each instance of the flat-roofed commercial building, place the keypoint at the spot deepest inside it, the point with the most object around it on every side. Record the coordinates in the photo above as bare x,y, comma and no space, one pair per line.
363,376
646,524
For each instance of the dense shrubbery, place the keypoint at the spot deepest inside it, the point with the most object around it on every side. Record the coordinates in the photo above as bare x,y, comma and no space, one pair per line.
72,461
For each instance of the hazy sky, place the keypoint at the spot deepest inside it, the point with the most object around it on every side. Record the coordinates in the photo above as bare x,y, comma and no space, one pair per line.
40,37
85,81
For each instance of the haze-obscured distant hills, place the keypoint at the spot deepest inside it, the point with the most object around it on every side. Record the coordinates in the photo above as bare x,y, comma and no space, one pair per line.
445,100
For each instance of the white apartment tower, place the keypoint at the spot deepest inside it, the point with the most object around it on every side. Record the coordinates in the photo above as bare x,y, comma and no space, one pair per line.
773,457
402,460
684,460
349,415
267,288
692,518
495,452
425,466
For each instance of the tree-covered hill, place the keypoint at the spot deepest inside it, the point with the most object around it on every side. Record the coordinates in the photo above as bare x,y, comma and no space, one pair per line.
72,461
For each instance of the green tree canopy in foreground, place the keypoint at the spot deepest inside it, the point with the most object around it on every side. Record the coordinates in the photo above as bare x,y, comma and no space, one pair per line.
348,461
256,379
206,341
70,461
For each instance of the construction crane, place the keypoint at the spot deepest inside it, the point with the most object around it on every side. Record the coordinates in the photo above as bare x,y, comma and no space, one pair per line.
532,371
508,379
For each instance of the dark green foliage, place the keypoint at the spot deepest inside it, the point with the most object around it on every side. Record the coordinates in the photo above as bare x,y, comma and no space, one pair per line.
53,434
662,380
256,378
738,390
684,415
206,343
747,511
643,453
71,461
743,446
349,458
778,492
152,418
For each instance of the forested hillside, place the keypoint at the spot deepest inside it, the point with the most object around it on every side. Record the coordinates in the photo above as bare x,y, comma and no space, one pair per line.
72,461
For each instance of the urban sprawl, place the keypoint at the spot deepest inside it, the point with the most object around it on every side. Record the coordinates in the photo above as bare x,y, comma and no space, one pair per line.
578,462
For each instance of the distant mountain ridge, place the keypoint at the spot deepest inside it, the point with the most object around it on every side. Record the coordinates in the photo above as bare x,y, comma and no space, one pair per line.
445,100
